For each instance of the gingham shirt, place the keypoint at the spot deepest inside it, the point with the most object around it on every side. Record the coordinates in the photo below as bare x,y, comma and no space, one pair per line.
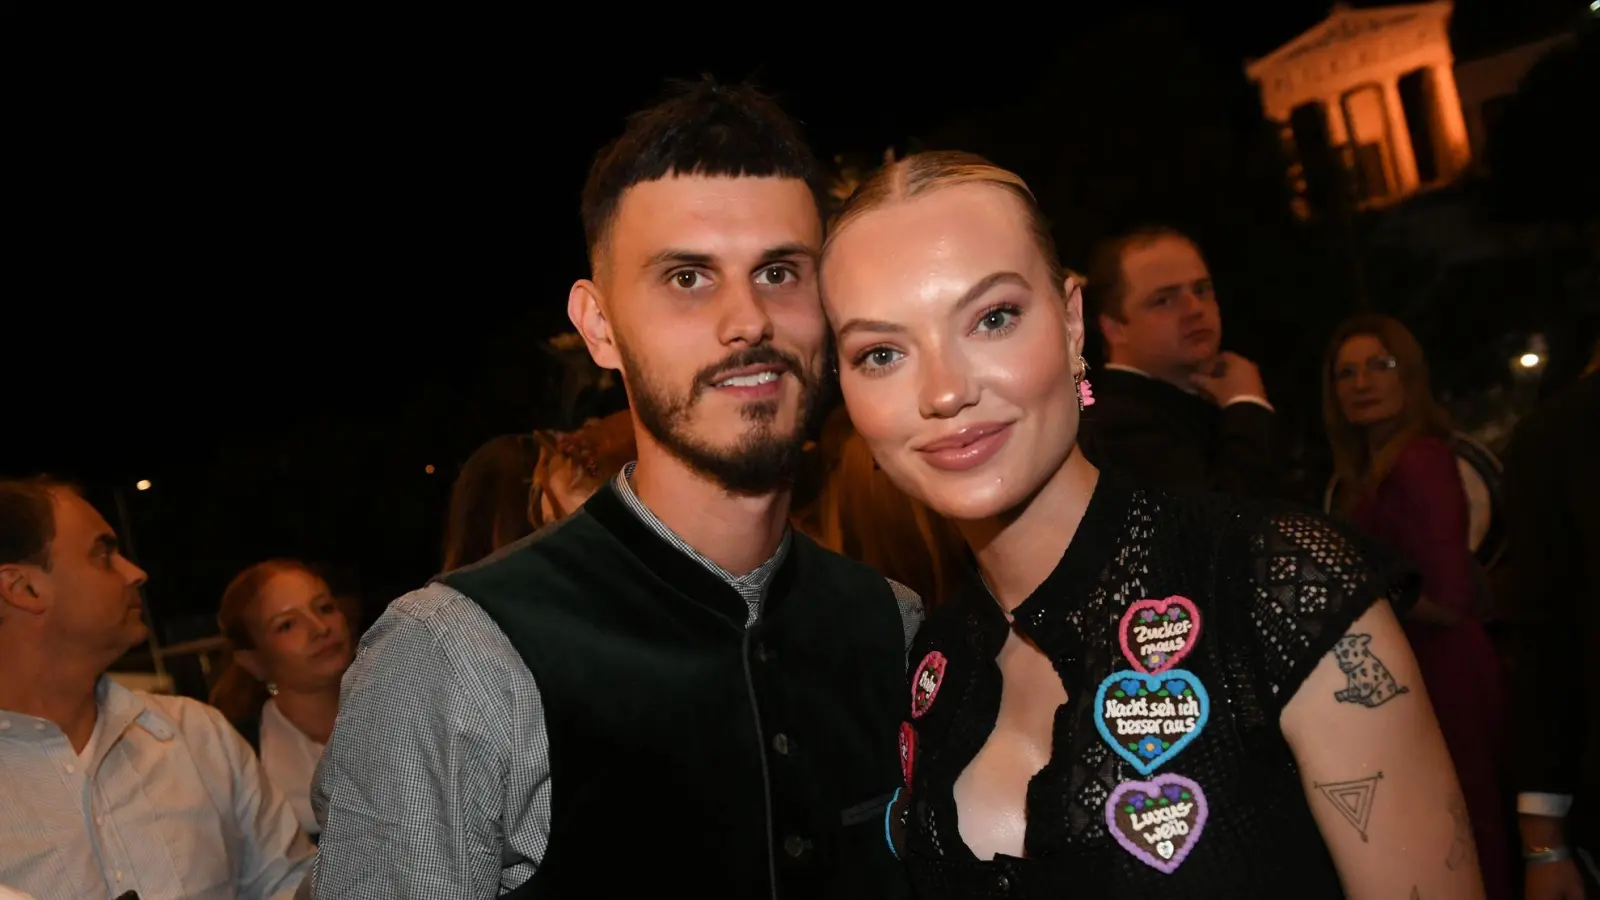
436,782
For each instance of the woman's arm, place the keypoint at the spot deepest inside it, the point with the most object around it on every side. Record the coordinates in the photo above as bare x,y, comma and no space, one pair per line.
1376,772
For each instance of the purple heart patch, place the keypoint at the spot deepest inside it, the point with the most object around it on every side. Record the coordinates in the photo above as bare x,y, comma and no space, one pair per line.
1158,821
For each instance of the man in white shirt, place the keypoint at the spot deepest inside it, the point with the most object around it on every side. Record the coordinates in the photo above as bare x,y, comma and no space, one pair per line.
104,790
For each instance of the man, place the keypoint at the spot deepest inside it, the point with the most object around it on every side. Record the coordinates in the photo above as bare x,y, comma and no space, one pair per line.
1553,496
668,690
104,790
1170,405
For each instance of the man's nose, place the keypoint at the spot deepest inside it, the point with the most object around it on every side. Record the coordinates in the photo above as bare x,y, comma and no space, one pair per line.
744,317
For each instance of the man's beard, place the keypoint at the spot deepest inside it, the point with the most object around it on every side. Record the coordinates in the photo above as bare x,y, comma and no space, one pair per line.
763,460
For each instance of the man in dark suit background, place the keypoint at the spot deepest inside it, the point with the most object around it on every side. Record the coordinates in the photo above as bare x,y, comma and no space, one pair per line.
1170,405
1552,481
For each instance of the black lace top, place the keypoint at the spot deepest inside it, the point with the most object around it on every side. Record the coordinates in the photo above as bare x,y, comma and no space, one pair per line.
1208,799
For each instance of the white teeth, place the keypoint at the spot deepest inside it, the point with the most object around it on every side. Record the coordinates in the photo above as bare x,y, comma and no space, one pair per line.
750,380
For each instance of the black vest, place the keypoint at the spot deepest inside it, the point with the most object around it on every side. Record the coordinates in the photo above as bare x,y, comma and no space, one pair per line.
688,753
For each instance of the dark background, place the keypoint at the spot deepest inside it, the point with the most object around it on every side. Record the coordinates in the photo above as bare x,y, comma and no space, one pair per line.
278,266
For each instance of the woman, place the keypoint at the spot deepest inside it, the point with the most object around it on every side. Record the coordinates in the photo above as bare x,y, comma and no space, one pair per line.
861,514
1139,689
291,643
1400,483
516,484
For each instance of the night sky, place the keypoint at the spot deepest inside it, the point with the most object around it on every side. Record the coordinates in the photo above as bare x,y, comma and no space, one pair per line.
290,264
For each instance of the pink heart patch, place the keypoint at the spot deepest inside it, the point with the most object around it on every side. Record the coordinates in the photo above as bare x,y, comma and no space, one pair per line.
1156,635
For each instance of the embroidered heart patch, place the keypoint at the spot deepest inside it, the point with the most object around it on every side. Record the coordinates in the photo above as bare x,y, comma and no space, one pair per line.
1157,634
1148,719
925,683
1158,821
908,750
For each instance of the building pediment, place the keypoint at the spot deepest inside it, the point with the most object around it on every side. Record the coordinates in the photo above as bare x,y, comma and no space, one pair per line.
1379,31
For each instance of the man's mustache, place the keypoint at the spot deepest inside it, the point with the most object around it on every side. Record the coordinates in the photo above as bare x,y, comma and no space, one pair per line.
763,355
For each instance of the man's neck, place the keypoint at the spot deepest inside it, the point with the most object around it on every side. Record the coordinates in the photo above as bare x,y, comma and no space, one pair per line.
737,533
1017,552
1177,376
52,686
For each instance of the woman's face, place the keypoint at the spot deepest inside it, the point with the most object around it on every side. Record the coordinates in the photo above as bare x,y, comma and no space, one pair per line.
956,350
1366,379
301,634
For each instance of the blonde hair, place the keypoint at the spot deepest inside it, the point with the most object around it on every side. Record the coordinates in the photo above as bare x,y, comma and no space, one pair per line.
1360,470
923,173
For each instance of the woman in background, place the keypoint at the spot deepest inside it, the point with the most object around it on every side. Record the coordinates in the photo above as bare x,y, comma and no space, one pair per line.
515,484
861,514
291,643
1400,482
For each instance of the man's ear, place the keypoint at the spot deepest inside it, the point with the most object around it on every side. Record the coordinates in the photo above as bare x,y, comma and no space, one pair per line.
586,309
1113,330
18,589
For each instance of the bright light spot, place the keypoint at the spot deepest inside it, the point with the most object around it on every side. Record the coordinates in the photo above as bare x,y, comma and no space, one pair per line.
1594,6
428,469
143,485
1529,360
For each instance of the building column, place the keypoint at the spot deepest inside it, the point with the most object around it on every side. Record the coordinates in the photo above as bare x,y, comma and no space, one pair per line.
1452,139
1333,112
1401,154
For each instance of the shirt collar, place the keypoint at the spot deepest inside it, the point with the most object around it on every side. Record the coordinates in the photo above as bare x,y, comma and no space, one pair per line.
624,487
117,708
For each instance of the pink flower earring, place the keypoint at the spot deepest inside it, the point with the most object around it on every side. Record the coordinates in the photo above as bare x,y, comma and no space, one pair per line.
1085,393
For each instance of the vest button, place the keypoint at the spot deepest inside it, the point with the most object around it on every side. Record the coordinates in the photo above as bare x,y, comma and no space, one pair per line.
761,653
780,743
796,846
1002,884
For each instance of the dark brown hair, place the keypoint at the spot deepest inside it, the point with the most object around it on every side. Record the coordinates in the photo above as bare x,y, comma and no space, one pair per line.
1360,471
1107,287
28,519
490,501
700,128
924,173
238,694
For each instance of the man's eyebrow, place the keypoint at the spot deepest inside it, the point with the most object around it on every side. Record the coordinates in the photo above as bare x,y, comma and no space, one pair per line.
680,257
784,252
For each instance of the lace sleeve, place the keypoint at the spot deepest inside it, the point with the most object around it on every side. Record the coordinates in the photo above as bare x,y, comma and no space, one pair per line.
1310,579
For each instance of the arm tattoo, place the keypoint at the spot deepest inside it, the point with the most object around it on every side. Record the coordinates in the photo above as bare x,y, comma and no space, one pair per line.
1353,799
1370,683
1462,846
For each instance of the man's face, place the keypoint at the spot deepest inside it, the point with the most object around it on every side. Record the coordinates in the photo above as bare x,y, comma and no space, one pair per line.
91,591
1170,323
709,303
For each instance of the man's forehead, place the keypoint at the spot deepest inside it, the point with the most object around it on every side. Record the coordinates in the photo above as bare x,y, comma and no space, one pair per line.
76,515
1165,260
715,216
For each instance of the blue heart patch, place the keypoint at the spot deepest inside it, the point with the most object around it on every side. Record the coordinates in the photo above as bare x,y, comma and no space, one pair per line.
1149,719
